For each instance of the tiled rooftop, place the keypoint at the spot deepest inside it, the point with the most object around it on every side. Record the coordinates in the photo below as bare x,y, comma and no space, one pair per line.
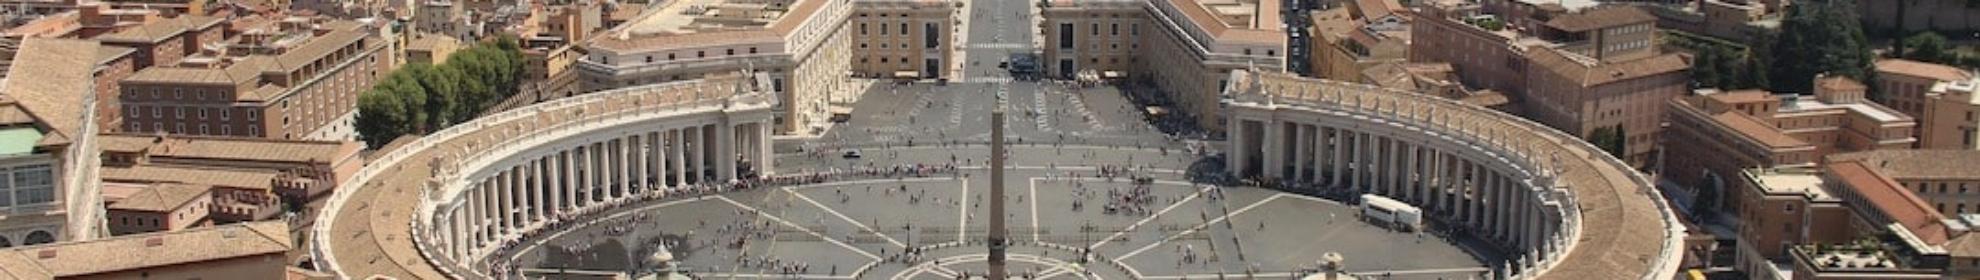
139,251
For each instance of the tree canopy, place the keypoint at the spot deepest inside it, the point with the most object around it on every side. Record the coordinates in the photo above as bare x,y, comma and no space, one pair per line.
1928,47
1818,37
421,98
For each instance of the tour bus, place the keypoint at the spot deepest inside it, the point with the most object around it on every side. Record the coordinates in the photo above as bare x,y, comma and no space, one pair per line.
1390,213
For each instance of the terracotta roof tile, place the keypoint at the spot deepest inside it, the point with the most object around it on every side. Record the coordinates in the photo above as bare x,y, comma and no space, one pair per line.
1592,72
237,179
166,197
51,92
1919,164
1839,83
1923,70
1599,18
1887,196
129,252
1758,130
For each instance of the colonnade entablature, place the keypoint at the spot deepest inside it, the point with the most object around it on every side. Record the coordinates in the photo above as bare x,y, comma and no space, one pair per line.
501,177
1557,207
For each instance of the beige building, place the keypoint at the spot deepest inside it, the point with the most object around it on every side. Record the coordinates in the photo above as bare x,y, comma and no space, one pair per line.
431,48
1949,119
1348,41
1941,96
805,46
47,137
245,251
1185,47
1577,68
903,39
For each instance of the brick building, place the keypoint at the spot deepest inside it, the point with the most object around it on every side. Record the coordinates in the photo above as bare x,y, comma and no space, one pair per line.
1713,136
1574,66
297,78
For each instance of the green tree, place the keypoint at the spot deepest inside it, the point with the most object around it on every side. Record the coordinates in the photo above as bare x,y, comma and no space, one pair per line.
1928,47
1817,37
1707,69
381,117
1609,138
422,98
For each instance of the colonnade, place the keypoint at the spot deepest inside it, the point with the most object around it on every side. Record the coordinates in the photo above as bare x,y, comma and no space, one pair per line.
1481,173
1450,180
531,191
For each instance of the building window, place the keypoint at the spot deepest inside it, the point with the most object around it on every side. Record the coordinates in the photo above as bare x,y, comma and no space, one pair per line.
1096,29
1065,35
33,185
700,54
253,115
862,27
178,94
227,130
203,131
179,113
1114,29
731,52
179,128
226,113
202,113
752,50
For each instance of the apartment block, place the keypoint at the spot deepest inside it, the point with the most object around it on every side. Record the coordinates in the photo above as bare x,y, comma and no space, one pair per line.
294,78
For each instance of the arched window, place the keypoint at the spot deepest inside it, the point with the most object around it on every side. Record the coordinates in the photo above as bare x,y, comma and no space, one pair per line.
39,237
4,243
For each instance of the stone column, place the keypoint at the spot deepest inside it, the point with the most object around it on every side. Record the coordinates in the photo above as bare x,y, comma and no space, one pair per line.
1275,151
1412,169
693,146
710,152
540,188
677,156
766,157
1339,140
1237,156
642,168
725,160
1300,150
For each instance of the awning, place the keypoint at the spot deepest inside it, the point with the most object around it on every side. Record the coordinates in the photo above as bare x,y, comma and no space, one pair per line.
907,74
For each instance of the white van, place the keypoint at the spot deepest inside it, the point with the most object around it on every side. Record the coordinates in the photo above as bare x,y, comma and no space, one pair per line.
1390,213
